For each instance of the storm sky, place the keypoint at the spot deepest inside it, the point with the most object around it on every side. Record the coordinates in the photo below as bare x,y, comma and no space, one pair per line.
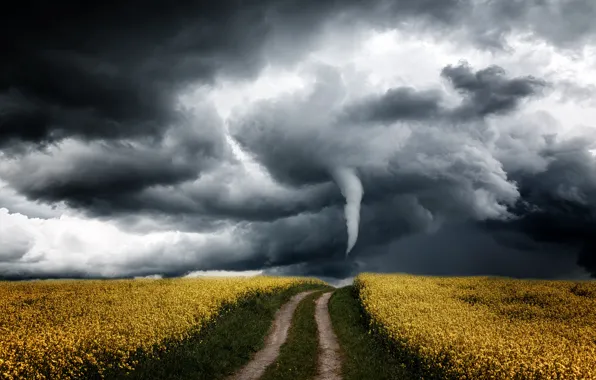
167,138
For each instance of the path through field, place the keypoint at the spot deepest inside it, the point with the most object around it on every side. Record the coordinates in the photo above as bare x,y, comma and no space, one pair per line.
276,338
329,356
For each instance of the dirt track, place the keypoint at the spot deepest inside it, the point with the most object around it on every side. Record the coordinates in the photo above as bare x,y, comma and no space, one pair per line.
329,356
277,336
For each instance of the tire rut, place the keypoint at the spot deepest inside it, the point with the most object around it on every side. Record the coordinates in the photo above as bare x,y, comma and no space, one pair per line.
329,366
275,339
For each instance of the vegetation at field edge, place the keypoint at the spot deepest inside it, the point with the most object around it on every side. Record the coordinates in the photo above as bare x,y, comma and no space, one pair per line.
96,329
483,327
365,357
223,346
298,356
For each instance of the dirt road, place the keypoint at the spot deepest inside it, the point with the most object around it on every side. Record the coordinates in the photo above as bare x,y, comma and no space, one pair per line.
329,361
276,338
329,354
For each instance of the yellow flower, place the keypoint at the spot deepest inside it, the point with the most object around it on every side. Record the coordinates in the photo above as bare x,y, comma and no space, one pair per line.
479,327
52,329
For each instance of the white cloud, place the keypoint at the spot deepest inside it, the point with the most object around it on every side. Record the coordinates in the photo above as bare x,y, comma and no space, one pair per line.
223,273
228,95
149,277
92,247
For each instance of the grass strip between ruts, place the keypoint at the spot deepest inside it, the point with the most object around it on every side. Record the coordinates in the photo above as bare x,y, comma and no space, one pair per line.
298,356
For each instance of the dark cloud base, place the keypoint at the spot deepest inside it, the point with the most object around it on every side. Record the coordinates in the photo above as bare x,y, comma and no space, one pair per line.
89,117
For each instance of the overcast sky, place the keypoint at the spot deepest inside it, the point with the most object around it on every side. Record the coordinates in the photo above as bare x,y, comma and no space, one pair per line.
167,138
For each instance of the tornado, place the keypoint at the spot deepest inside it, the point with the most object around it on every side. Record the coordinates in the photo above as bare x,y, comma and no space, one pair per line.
351,188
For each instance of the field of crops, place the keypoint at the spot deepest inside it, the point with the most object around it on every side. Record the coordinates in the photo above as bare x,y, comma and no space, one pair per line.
59,329
485,328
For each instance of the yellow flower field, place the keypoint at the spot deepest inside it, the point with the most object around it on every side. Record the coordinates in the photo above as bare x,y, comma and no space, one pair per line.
49,329
486,328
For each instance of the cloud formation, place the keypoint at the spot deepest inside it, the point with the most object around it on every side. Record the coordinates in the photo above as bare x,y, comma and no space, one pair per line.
489,91
471,158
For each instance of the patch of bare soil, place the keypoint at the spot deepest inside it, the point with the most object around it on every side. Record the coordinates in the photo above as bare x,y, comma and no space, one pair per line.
276,338
329,354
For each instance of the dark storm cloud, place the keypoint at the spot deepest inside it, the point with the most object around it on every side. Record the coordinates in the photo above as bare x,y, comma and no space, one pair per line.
181,189
293,136
220,201
94,87
298,239
121,170
301,137
550,232
405,191
489,91
118,176
104,176
303,244
558,205
402,103
565,224
468,249
328,270
113,70
484,92
440,175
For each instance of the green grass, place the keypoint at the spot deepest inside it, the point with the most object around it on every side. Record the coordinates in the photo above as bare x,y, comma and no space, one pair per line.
220,348
298,356
364,356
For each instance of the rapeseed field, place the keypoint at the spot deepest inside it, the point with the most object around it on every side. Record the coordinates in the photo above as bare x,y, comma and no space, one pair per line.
61,329
485,328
